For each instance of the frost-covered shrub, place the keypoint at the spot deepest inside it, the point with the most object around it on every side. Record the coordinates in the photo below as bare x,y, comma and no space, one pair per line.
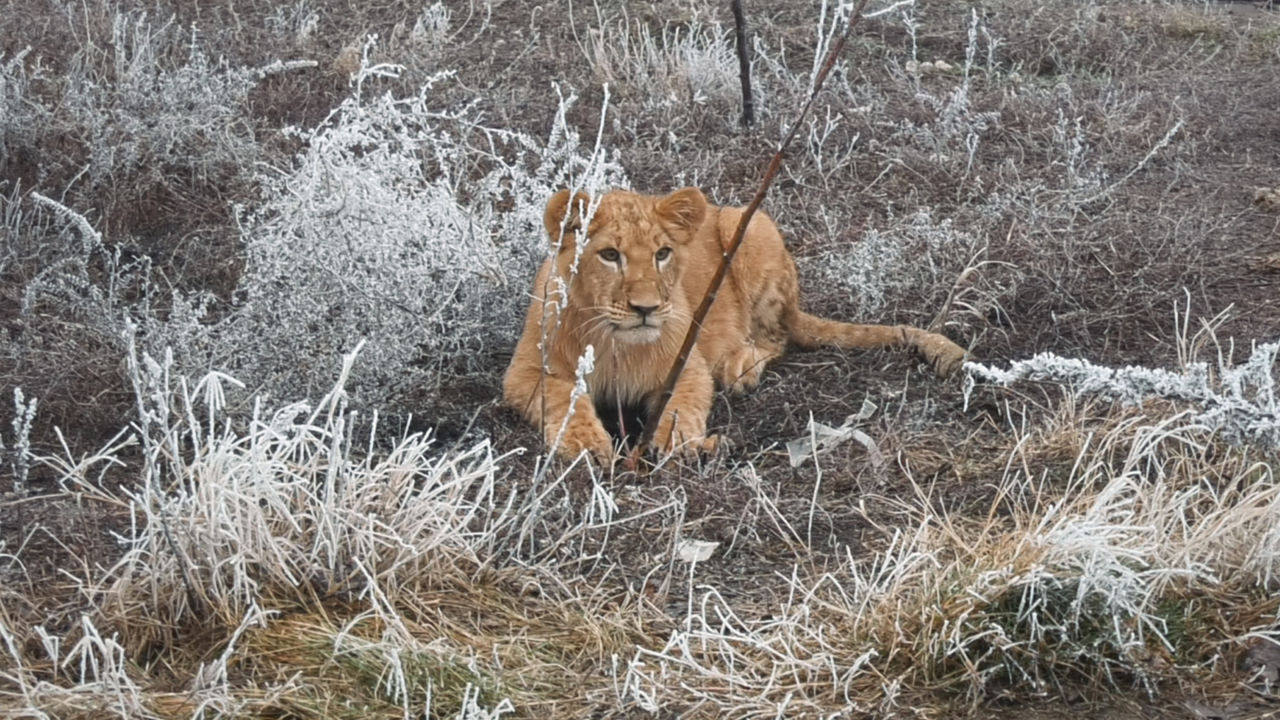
296,20
14,222
402,222
84,288
956,128
18,458
296,499
873,269
431,28
16,113
132,121
671,69
411,227
155,108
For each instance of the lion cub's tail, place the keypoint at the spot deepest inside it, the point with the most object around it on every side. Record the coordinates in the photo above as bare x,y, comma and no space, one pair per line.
810,331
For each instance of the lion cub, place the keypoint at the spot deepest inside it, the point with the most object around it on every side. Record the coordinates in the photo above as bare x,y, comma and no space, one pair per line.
644,267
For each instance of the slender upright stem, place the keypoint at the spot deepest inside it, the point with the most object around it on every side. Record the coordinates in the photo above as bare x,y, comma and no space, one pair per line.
726,258
744,62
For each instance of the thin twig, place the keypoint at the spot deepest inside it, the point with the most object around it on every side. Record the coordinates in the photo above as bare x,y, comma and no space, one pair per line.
726,258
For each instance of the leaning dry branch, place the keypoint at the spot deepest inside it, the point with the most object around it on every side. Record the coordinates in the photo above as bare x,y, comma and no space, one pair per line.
726,259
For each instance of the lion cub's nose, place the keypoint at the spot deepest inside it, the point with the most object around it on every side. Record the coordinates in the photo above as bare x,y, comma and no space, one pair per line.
643,310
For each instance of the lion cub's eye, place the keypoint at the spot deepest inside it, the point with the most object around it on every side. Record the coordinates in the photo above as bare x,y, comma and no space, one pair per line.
662,254
610,255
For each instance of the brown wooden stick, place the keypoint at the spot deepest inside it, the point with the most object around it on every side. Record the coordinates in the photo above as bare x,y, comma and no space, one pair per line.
726,259
744,62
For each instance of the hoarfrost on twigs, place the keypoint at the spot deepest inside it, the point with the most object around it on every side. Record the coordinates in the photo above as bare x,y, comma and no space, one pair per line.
1239,401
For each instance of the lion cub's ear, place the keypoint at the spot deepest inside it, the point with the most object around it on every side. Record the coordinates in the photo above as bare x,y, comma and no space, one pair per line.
681,212
555,217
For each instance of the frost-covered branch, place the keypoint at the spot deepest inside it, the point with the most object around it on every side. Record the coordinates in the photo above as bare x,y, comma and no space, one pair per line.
1239,401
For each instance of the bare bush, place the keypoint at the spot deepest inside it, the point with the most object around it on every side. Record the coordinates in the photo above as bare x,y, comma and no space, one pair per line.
19,456
406,224
245,530
140,109
17,115
1101,574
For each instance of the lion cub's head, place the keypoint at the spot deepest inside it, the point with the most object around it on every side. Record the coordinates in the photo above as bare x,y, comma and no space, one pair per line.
627,285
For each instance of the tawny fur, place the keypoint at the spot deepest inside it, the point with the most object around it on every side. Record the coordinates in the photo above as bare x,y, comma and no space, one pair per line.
646,265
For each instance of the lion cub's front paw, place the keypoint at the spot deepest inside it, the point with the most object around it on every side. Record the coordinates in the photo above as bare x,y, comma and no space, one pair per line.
691,448
707,446
688,439
588,436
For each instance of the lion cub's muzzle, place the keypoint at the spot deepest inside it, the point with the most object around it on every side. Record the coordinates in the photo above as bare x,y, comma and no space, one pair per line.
643,324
